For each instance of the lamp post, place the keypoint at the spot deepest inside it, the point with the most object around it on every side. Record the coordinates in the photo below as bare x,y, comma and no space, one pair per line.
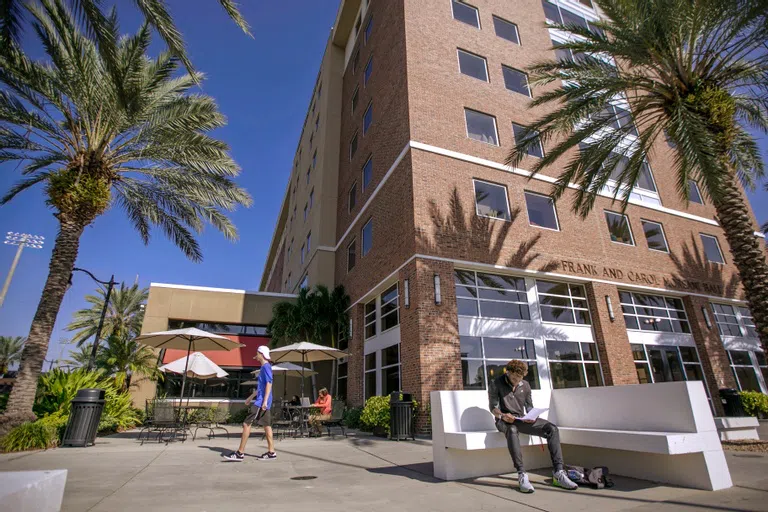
109,284
21,240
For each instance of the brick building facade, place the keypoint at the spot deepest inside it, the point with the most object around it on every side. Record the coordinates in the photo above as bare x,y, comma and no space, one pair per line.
455,262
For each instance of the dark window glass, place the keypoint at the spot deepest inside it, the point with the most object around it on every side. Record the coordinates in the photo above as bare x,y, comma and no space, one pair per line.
491,200
712,249
516,81
353,147
618,227
561,54
353,196
473,374
522,134
465,13
351,255
390,355
368,30
563,351
507,348
355,96
693,372
343,369
504,310
637,352
471,346
760,359
624,118
473,65
654,234
747,379
594,377
551,12
368,71
740,357
467,307
367,237
503,282
571,18
643,373
567,375
506,30
342,388
481,127
390,380
689,355
356,61
645,179
367,119
466,277
367,173
693,192
465,291
495,370
370,384
541,211
555,314
370,361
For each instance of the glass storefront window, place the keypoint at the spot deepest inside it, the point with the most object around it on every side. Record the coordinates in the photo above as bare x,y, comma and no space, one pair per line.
654,313
573,364
562,302
749,373
486,295
484,359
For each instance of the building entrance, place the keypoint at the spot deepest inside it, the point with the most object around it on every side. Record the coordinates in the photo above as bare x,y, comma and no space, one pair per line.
665,364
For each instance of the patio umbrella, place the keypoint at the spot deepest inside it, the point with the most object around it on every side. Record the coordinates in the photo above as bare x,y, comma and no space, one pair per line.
189,339
306,352
289,370
196,365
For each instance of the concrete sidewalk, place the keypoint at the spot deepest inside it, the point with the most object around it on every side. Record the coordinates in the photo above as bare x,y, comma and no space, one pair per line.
358,473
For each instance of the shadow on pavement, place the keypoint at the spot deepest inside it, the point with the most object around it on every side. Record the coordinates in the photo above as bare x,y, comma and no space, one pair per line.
422,472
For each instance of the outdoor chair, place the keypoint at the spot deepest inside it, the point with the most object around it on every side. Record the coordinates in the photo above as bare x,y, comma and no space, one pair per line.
212,420
281,422
337,419
149,412
166,419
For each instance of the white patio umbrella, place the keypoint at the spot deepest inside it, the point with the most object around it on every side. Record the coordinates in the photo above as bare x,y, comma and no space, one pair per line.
289,370
190,339
196,365
306,352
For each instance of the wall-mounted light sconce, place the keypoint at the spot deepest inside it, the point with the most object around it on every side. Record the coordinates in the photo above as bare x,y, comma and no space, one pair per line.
438,297
609,303
707,320
407,294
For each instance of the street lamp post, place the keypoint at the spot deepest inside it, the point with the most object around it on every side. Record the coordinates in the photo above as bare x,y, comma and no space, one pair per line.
109,284
21,240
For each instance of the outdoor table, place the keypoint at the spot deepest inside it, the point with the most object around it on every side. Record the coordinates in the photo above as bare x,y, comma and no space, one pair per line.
304,412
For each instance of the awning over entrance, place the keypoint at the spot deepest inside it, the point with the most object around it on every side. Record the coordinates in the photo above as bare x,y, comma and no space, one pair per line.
243,357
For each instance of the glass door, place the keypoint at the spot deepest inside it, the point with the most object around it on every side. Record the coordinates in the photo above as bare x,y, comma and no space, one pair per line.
665,364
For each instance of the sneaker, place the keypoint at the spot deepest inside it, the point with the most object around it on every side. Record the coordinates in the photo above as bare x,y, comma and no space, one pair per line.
267,456
560,479
524,484
234,456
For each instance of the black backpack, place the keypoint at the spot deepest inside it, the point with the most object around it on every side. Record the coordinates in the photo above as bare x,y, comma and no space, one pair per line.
597,477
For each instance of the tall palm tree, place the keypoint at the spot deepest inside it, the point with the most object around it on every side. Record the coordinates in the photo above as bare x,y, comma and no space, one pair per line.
693,72
125,313
10,351
155,12
123,357
103,126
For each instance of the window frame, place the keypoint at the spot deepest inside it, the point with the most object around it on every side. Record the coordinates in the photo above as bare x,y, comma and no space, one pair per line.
582,363
759,370
496,361
571,297
459,51
495,127
367,30
355,98
508,217
551,202
529,94
478,300
643,222
695,185
717,246
685,321
353,245
366,323
367,72
477,13
629,228
370,177
538,139
352,197
353,143
304,283
363,252
396,311
517,30
368,110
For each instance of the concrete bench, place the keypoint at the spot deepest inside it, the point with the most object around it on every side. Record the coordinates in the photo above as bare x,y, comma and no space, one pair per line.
659,432
737,428
32,491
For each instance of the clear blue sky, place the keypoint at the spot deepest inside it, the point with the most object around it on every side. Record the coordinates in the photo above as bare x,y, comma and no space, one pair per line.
263,86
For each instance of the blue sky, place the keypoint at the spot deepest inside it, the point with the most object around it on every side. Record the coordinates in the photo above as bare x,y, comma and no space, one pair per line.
263,86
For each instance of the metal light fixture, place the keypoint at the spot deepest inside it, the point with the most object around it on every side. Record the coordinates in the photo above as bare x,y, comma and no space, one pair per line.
707,320
438,297
609,303
21,240
110,285
407,293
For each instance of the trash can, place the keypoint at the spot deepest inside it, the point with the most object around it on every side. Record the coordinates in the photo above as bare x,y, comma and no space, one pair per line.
731,402
84,418
401,416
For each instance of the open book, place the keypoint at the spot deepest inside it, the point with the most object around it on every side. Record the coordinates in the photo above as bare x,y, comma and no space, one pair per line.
533,414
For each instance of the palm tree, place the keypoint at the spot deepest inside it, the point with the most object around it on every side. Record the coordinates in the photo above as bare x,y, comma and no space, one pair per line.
81,357
101,126
693,72
123,357
155,12
125,314
10,351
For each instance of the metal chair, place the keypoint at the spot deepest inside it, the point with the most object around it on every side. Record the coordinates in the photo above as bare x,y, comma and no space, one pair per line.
212,421
337,419
168,419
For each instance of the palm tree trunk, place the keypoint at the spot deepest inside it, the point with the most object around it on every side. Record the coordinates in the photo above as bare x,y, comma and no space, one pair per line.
22,396
747,251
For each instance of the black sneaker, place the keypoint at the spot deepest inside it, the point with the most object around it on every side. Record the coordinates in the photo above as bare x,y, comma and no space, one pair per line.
234,456
267,456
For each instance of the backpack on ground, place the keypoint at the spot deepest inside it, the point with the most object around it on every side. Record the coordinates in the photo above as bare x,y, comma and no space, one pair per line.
597,477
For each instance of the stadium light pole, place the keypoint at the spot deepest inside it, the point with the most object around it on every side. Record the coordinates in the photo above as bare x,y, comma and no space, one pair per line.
21,240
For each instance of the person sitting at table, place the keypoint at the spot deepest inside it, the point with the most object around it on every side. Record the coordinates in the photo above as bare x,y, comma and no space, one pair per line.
295,400
323,413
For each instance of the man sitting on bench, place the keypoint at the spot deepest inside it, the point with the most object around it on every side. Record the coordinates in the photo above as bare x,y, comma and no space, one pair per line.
510,399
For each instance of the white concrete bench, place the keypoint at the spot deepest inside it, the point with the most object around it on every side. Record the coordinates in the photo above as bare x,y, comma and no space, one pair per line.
737,428
659,432
32,491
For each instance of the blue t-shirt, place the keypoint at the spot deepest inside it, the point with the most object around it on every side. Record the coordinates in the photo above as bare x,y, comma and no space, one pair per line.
265,376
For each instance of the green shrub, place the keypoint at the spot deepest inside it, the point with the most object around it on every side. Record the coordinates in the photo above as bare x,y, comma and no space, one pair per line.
39,435
352,417
3,401
754,402
238,416
57,388
119,407
375,413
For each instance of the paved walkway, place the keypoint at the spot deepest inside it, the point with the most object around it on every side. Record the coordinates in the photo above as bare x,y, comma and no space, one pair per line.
339,475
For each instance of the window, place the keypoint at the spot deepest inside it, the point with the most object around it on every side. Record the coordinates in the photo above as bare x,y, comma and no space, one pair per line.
390,308
491,296
485,359
351,254
645,178
562,302
353,147
522,134
618,227
311,198
288,253
352,196
390,369
367,118
654,313
481,127
516,81
354,99
734,321
368,29
314,160
693,192
618,119
368,71
341,382
304,282
654,235
358,23
506,30
317,123
491,200
355,61
370,375
370,319
309,175
303,255
319,91
541,211
306,211
665,363
309,242
311,140
746,365
566,54
367,172
557,14
573,364
712,249
367,236
229,387
465,13
473,65
236,329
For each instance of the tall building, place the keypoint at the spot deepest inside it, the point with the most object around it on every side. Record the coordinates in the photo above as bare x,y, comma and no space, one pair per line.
456,263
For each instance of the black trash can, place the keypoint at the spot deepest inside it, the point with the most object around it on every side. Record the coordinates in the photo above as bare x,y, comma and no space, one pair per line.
731,402
84,418
401,416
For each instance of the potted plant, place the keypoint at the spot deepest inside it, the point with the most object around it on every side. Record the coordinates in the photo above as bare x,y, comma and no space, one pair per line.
375,416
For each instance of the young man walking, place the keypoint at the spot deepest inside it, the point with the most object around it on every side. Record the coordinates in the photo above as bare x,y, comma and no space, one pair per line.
510,399
260,410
